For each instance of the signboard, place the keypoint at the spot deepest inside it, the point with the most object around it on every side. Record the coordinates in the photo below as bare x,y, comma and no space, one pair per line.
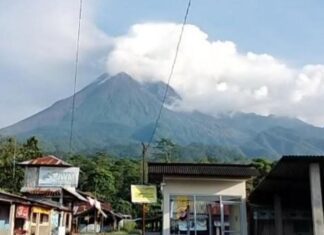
58,177
40,210
143,194
22,212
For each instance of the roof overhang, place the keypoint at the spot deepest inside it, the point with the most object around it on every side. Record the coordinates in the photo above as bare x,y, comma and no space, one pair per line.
289,178
157,171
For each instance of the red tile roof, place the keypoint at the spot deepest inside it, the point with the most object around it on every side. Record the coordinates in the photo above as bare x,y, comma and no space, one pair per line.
49,160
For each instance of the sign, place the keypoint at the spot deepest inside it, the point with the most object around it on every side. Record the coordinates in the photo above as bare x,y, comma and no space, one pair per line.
40,210
182,205
58,177
143,194
22,212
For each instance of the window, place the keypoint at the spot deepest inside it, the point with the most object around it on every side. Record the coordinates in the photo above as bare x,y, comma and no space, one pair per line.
34,218
205,215
182,214
67,220
44,218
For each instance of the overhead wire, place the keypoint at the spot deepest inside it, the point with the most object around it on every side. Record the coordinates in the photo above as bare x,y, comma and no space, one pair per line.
170,75
75,77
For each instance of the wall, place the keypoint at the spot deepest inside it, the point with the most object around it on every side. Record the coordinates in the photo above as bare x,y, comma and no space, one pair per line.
201,186
31,177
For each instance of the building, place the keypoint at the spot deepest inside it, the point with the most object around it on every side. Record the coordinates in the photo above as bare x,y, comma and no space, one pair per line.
202,199
95,216
20,215
289,200
51,179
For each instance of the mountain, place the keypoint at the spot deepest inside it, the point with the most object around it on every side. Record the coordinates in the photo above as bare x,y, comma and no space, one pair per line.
118,111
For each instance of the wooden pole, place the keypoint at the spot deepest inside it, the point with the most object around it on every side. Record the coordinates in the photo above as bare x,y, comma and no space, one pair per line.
143,220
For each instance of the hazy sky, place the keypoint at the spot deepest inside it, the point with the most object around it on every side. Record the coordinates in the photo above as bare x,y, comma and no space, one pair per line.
253,56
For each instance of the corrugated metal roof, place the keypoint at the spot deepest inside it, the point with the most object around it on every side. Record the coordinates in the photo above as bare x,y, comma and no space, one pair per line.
13,198
74,192
289,176
84,207
52,192
49,160
48,192
201,170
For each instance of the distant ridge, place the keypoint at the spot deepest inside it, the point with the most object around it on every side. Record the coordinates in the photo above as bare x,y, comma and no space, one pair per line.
120,111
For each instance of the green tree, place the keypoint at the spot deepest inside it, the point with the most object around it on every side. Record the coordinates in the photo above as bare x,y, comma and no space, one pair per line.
264,166
11,153
31,149
96,175
166,151
109,179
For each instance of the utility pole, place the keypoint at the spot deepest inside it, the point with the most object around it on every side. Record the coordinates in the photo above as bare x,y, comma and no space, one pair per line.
14,160
144,149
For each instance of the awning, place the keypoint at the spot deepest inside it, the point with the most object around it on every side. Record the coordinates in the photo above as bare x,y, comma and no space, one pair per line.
289,179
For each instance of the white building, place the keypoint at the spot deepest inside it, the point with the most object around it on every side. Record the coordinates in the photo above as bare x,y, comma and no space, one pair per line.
202,199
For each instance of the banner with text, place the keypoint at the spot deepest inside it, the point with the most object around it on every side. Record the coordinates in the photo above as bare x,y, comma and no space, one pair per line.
58,177
143,194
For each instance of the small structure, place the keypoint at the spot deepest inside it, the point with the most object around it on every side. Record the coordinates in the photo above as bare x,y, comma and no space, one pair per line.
50,179
20,215
202,199
95,215
289,200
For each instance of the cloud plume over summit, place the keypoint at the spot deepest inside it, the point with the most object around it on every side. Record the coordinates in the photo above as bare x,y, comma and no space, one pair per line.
214,76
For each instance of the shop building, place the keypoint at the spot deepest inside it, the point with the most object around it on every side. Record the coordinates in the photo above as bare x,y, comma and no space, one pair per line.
289,200
95,216
202,199
20,215
51,179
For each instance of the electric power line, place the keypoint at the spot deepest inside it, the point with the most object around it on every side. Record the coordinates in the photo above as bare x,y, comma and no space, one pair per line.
75,77
170,74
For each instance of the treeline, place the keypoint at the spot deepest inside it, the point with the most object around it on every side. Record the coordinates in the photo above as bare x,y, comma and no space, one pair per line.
108,177
11,153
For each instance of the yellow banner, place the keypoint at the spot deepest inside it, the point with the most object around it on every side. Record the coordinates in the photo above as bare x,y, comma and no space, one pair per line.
40,210
143,194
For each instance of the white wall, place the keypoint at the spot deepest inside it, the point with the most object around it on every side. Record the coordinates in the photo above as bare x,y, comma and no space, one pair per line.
201,186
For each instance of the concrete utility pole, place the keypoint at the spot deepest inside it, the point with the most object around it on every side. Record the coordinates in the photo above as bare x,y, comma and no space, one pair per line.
278,214
316,198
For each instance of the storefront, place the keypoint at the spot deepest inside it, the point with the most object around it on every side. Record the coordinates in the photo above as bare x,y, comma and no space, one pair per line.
5,220
202,199
289,200
24,216
206,215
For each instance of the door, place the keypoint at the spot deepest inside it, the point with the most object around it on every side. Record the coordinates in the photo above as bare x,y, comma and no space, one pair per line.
231,208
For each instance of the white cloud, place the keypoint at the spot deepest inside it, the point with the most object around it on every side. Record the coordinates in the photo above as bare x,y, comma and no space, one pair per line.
213,76
37,48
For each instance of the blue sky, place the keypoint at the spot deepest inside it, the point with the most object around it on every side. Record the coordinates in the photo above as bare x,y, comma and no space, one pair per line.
263,52
291,29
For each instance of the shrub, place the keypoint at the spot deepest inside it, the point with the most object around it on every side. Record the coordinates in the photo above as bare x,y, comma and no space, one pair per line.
129,226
